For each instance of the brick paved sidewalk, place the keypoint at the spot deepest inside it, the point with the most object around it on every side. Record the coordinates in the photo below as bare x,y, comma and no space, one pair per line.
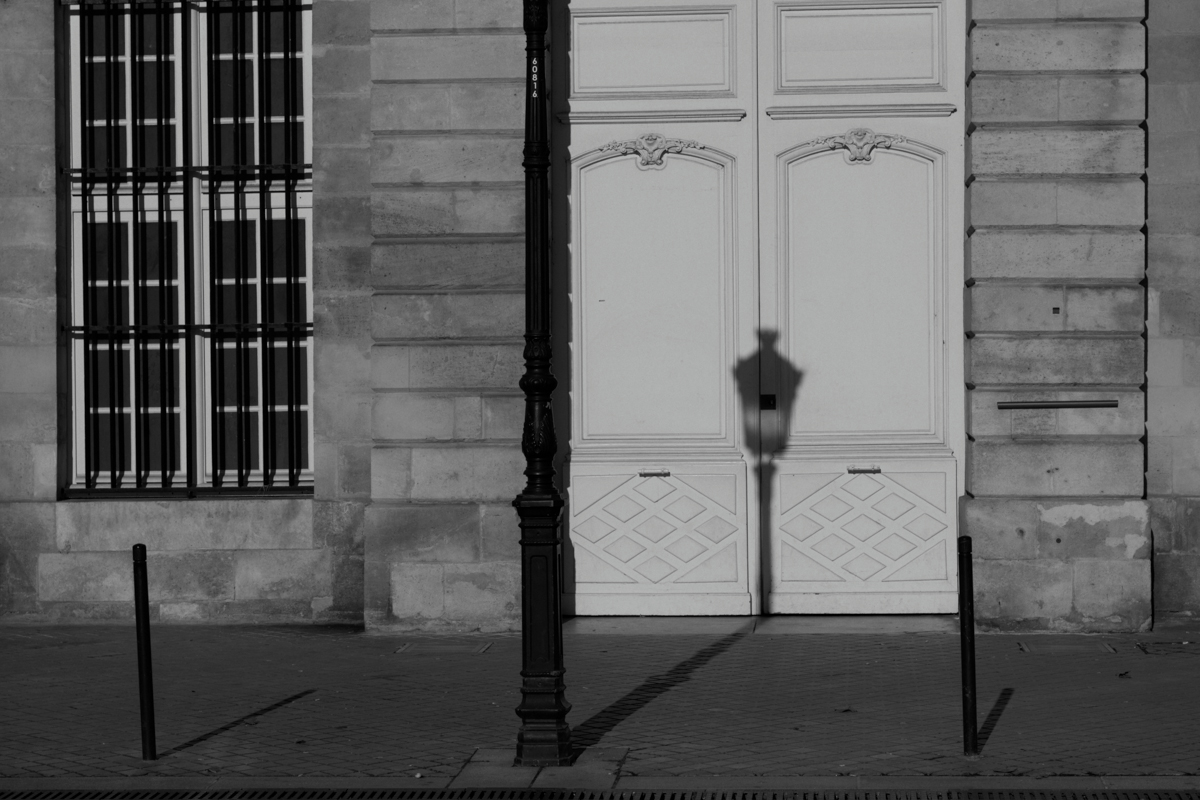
237,702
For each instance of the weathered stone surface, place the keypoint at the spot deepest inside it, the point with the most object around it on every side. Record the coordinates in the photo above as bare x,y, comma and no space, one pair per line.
1059,468
28,418
391,473
190,576
1174,411
347,22
28,269
26,25
1082,47
1160,465
440,316
1062,202
173,525
487,14
1005,307
467,473
1022,594
282,574
1057,254
1174,157
28,321
1109,308
483,366
27,73
344,363
417,591
1174,107
387,15
501,540
83,577
490,592
1164,512
447,57
1057,9
1052,151
426,416
342,417
1173,17
1127,419
418,533
28,471
1002,528
342,170
1164,362
1176,582
1110,530
1170,208
26,529
1111,98
26,170
428,210
28,369
342,315
446,159
341,70
1174,59
354,470
1112,592
449,264
1053,360
448,106
503,417
342,119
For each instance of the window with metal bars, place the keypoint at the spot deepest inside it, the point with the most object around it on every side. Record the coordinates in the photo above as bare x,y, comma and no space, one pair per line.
191,201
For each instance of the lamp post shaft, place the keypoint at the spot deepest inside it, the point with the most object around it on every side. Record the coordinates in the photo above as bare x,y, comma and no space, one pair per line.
545,737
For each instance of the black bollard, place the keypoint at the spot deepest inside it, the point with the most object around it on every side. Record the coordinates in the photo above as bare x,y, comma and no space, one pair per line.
966,639
141,608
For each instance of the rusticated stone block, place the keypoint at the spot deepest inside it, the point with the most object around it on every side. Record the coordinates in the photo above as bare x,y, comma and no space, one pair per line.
453,106
447,57
1057,254
446,159
282,574
426,211
501,534
1108,308
1113,530
446,367
28,418
490,592
1113,595
1052,151
1022,594
1053,360
85,577
449,264
443,316
1176,582
190,576
1001,528
1005,307
503,417
1057,98
28,369
1063,202
467,473
433,533
1060,468
1057,9
169,525
1078,47
417,591
1127,419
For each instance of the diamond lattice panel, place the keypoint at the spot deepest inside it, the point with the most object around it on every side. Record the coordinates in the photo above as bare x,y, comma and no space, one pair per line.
672,533
855,532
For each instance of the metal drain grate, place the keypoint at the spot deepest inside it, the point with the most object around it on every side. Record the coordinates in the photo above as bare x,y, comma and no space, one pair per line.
578,794
1062,648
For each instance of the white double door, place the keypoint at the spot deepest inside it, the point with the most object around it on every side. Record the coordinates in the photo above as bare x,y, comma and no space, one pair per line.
765,205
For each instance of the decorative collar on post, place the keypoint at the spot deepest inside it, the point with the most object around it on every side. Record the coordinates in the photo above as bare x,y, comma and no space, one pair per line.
545,737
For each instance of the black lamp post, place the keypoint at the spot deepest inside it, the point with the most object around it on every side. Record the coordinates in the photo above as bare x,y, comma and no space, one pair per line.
545,737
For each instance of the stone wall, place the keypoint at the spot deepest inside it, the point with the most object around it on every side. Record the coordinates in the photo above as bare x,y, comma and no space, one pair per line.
28,321
447,219
1173,479
1056,263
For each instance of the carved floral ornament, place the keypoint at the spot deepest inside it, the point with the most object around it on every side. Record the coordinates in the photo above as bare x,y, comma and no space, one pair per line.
651,148
859,143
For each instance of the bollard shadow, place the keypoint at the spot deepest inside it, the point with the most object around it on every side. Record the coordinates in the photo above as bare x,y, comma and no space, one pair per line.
993,717
596,726
243,720
766,373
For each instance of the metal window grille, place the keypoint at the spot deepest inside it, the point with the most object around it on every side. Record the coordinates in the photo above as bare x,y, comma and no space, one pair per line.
191,191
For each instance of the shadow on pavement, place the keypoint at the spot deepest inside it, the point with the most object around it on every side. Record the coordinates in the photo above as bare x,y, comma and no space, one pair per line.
594,728
236,722
993,717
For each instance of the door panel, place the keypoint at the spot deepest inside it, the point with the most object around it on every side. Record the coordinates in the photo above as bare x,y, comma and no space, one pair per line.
664,300
789,168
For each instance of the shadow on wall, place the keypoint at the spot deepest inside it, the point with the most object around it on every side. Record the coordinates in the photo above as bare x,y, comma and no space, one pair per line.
766,434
